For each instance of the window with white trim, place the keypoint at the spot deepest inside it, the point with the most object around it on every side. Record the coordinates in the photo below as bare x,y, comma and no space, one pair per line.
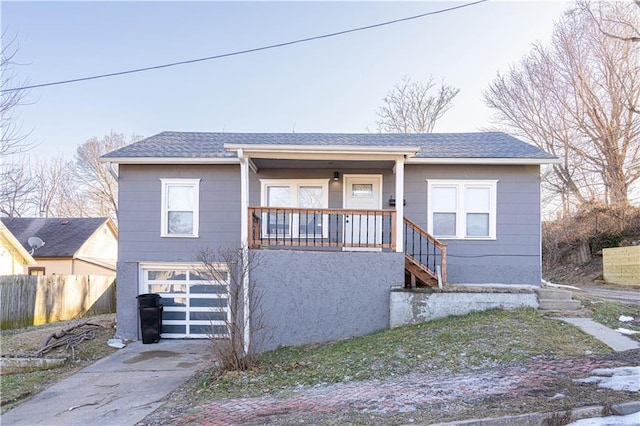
461,209
304,193
180,207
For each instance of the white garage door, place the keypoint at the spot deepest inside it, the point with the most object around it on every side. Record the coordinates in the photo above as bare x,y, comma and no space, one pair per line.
194,307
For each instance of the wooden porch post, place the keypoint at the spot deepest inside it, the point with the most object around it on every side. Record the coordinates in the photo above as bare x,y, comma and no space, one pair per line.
399,171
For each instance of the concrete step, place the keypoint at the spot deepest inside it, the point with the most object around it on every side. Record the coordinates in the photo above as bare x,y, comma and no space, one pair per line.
558,305
553,293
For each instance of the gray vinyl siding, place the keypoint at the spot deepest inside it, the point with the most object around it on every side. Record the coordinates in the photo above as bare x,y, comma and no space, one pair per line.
514,257
139,230
140,211
335,188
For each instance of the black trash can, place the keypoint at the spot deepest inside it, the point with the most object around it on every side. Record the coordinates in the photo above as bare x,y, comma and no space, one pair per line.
150,317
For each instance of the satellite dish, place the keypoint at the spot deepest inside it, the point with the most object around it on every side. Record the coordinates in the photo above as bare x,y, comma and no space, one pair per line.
35,243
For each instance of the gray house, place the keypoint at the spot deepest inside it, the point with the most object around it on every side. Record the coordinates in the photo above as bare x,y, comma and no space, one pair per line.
337,219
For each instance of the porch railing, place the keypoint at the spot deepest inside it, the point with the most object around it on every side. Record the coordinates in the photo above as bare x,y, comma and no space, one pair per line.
322,228
425,251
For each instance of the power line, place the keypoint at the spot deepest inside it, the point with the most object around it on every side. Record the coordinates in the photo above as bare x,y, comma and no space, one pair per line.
242,52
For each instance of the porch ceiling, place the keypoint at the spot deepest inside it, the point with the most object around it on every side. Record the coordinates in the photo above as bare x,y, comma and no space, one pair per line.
271,163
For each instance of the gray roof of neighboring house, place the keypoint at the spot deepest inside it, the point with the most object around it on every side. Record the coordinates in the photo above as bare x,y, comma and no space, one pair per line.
431,145
63,237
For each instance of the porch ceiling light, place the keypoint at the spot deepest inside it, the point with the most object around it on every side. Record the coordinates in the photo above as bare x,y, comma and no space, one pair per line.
336,176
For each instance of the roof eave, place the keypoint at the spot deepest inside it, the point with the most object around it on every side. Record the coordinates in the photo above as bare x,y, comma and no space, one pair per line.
29,260
170,160
487,161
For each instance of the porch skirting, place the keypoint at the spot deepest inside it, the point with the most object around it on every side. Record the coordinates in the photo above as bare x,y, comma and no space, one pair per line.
314,297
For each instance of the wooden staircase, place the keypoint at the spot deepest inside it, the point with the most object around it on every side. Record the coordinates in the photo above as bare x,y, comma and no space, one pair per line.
425,262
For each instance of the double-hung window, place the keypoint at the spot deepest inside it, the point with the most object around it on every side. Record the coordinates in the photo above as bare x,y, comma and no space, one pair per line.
462,209
180,207
293,195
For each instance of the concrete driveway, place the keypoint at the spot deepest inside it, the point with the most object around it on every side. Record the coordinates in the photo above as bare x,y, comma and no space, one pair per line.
120,389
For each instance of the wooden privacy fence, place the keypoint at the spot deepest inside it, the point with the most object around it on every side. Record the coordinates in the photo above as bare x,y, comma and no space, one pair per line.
621,265
34,300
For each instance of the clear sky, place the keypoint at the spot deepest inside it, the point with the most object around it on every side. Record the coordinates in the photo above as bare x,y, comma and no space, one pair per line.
329,85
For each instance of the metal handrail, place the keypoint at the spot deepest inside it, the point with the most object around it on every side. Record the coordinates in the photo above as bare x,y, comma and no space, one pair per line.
322,228
424,249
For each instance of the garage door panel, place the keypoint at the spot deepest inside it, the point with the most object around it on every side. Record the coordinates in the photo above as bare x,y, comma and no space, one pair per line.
208,289
208,316
192,307
167,275
197,302
173,315
168,300
168,288
174,329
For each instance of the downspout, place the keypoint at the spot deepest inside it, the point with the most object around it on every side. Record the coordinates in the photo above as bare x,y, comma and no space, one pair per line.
244,241
399,171
112,171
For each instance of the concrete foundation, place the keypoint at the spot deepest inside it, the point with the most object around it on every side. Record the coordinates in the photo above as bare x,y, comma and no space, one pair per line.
420,305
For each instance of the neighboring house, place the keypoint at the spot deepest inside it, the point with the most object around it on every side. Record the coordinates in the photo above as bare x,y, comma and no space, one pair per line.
337,220
14,258
72,246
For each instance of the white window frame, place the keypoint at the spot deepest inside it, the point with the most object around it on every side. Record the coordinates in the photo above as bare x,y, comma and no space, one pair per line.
461,208
164,222
295,184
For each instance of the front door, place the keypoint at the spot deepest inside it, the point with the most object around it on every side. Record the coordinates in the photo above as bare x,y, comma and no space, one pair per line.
362,192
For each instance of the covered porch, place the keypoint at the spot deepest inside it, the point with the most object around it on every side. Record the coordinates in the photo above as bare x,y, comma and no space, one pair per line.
334,198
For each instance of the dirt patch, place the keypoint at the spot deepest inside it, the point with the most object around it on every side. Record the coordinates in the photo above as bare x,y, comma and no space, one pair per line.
589,274
25,342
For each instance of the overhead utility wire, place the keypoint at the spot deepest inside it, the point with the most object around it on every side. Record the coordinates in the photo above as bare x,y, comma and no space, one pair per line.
241,52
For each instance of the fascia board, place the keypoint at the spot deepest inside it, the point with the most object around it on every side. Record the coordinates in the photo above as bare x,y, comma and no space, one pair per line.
317,151
169,160
17,245
484,161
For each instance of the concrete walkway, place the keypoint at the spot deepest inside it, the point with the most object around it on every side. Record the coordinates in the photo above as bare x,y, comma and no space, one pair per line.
616,341
120,389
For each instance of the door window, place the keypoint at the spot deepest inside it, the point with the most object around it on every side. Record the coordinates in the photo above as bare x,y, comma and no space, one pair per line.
302,194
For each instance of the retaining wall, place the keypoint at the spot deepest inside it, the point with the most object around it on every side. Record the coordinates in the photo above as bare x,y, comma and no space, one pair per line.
418,305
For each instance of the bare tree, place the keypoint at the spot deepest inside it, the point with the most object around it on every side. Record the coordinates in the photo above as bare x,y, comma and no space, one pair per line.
12,140
410,107
573,99
49,178
604,21
70,201
99,186
233,266
16,187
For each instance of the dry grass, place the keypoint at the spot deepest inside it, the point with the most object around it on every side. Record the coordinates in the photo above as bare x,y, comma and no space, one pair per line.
590,229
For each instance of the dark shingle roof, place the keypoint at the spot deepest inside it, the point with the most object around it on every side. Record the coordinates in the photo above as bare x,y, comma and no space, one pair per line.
431,145
63,237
